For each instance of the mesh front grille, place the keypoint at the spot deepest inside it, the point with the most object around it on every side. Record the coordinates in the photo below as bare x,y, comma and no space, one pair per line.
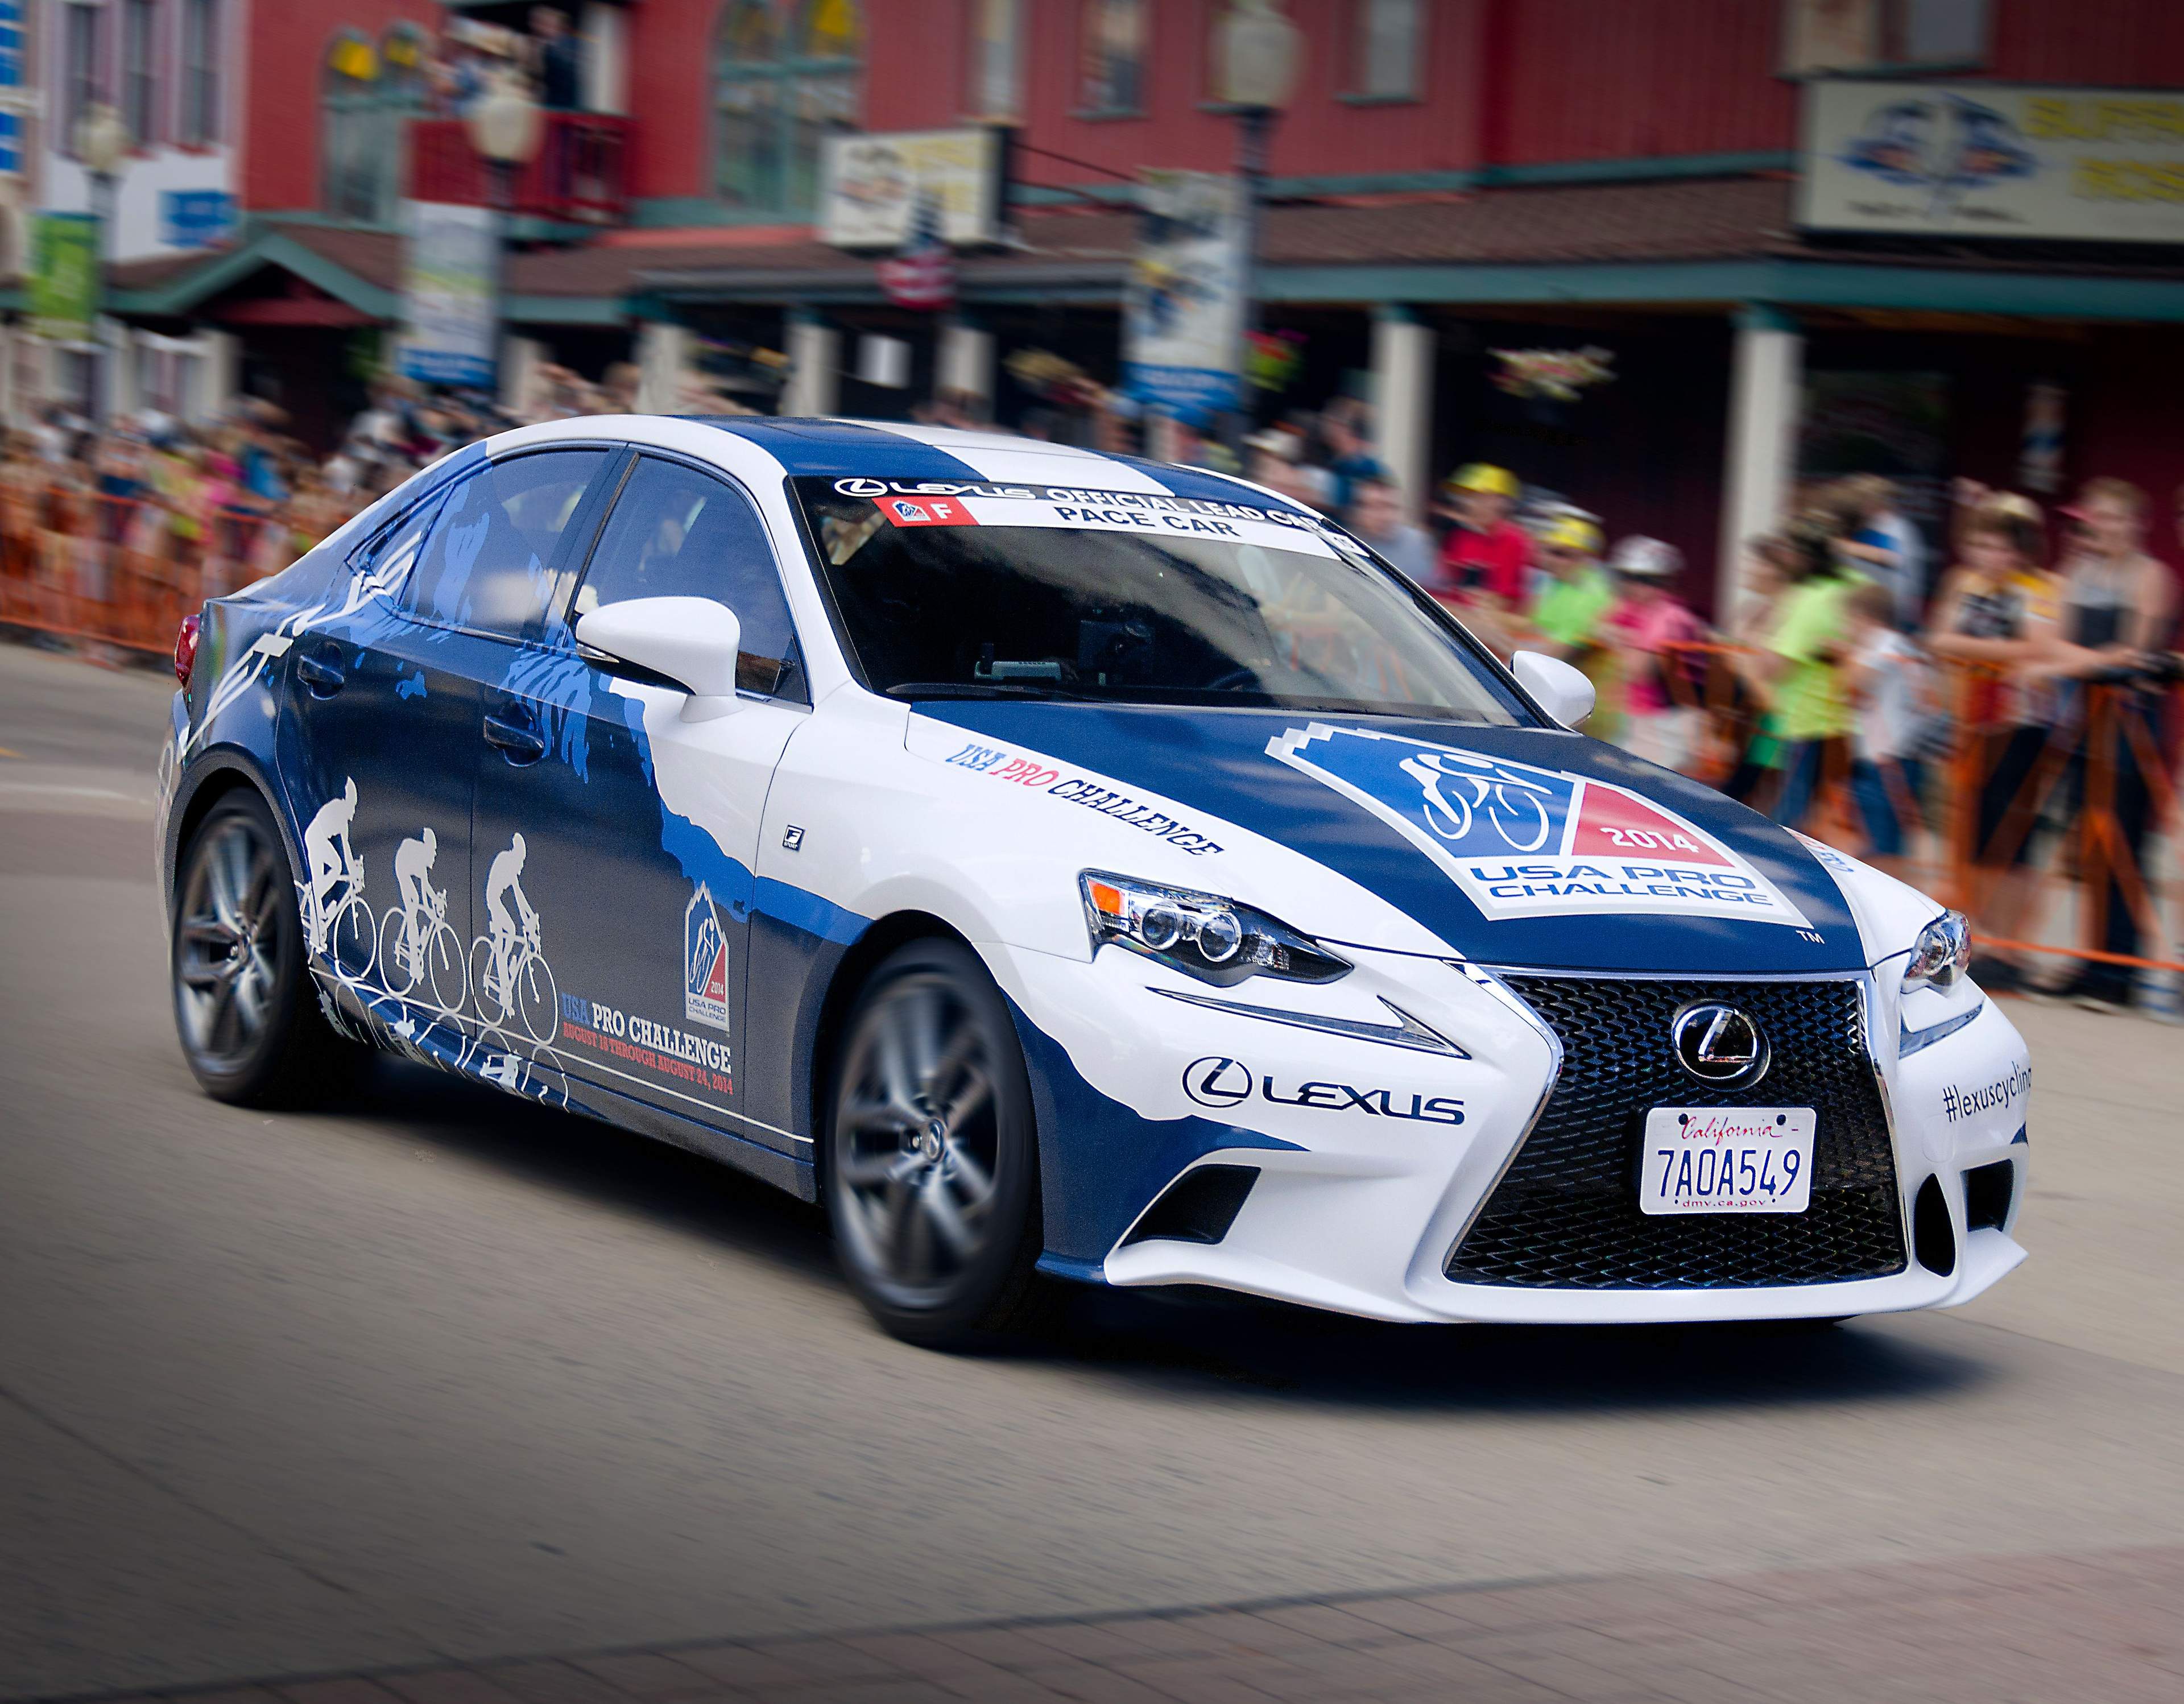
1565,1213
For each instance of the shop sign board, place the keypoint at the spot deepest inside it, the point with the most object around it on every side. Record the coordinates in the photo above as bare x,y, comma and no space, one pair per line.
1993,160
449,322
195,218
1183,308
63,295
870,185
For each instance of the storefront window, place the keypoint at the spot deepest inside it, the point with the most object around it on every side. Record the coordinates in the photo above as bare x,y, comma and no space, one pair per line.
997,60
1390,43
1822,35
81,50
1114,56
370,93
786,78
138,110
200,113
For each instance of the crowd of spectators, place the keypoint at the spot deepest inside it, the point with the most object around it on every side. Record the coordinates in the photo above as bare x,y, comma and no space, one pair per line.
1977,701
243,488
1912,714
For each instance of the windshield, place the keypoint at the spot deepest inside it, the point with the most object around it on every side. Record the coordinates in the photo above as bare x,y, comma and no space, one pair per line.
975,591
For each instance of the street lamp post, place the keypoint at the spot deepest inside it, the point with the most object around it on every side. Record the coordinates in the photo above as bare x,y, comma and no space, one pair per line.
1257,52
103,144
506,127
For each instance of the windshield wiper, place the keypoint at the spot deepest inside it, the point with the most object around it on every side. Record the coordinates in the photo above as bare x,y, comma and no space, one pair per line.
984,689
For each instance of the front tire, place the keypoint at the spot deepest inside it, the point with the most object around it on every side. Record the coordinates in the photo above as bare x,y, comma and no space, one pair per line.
932,1154
245,1007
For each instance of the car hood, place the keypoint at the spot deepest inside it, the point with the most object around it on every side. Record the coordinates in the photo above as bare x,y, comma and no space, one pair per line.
1516,846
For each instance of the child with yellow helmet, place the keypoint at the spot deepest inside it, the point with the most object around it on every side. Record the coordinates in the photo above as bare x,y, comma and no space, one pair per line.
1570,610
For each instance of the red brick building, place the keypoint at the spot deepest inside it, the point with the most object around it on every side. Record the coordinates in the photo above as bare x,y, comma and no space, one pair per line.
1449,178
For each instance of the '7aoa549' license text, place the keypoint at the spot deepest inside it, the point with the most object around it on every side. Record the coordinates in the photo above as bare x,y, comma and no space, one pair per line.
1067,868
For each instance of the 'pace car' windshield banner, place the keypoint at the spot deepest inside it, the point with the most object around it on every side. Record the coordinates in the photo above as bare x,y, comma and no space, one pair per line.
1525,842
990,503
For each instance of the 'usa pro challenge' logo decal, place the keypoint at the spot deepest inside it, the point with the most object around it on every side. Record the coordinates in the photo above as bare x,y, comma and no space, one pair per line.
1524,842
704,963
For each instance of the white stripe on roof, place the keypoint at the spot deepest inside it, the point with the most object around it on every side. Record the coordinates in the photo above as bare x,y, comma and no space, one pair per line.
1026,461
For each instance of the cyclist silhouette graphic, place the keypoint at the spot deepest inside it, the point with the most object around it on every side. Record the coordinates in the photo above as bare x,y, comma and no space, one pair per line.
1510,803
502,885
333,860
423,905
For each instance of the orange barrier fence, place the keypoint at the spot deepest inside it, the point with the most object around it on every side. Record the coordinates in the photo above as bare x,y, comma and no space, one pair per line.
2068,794
122,571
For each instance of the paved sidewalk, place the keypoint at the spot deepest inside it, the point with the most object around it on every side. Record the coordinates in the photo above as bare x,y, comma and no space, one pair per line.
2099,1629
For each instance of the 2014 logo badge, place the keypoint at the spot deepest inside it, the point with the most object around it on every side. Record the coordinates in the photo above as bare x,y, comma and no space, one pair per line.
704,963
1525,842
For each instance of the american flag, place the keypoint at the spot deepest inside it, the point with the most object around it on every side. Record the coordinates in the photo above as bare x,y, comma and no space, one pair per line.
923,275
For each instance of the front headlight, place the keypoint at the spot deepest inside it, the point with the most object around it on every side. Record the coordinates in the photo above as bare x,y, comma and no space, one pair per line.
1943,949
1216,940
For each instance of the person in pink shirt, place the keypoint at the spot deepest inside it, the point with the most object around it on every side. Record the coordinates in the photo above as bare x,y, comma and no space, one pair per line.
1659,725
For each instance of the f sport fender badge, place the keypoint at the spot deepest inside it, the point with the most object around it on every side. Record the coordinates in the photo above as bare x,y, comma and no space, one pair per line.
1525,842
704,963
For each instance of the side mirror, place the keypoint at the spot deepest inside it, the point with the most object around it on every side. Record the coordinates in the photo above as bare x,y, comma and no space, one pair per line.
692,641
1562,691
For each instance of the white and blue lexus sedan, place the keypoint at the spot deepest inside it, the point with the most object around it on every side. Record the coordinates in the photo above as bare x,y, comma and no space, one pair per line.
1065,867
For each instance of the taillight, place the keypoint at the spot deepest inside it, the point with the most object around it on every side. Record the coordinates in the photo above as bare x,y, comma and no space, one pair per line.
186,648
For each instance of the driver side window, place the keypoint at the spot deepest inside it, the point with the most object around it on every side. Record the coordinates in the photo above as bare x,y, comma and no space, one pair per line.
679,533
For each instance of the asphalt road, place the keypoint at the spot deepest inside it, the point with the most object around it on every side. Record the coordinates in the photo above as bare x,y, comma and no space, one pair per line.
438,1376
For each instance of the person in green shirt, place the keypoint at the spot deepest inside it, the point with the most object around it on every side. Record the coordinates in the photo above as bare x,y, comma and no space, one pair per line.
1570,612
1812,713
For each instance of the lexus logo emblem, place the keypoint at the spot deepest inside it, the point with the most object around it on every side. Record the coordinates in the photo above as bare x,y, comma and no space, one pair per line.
1719,1045
1214,1081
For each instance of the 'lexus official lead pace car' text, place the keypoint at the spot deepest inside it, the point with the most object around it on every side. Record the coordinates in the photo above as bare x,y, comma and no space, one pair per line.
1061,864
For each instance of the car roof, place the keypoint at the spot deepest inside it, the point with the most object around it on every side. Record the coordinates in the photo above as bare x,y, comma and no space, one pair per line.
831,447
809,446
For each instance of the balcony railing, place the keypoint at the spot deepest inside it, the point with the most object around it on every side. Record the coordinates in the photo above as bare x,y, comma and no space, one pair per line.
577,175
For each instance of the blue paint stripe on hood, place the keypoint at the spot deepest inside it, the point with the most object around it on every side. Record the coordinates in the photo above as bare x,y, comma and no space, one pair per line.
1216,761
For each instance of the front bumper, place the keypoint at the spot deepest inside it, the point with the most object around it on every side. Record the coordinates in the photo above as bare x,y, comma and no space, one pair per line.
1376,1155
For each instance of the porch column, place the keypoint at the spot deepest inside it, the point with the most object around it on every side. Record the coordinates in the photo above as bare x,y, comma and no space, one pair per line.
965,359
661,347
1765,399
520,359
1402,402
814,366
223,363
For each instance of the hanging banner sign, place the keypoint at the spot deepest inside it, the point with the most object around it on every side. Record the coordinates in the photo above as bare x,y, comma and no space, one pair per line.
870,186
449,322
1993,160
1183,309
63,295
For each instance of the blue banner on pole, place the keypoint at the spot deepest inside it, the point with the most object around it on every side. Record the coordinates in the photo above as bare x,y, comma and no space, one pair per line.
449,309
1183,309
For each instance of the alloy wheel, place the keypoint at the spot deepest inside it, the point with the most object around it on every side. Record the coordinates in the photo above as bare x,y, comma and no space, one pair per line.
227,946
917,1139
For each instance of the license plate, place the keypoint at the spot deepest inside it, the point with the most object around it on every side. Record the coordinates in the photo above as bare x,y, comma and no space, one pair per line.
1727,1160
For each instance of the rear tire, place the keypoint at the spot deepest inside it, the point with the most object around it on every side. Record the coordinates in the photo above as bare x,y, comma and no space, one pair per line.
931,1152
246,1009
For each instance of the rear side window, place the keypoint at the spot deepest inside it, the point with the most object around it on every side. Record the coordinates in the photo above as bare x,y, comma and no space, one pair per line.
679,533
484,566
387,560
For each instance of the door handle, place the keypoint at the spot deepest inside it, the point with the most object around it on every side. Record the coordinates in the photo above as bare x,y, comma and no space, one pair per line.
322,672
519,742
